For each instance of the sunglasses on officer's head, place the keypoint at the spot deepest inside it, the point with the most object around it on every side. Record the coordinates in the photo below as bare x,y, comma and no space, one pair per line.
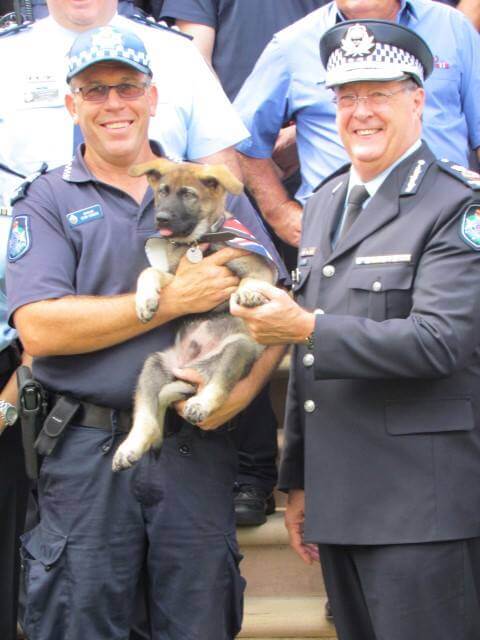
100,92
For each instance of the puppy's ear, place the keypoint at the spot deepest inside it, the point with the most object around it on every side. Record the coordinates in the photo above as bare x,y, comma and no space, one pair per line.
159,166
214,174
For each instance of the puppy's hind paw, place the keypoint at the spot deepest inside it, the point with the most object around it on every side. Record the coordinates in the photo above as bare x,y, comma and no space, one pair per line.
194,411
124,459
249,298
146,309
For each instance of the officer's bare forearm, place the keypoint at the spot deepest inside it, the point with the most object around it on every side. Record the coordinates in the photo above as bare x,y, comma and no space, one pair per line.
279,210
263,182
81,324
244,391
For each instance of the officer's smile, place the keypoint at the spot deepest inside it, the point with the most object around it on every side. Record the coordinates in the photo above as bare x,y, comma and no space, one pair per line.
118,124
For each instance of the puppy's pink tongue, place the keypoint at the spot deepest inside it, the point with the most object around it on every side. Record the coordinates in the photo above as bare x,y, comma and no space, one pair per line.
166,232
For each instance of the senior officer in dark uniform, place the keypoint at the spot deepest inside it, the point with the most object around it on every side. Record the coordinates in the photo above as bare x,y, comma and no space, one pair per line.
382,455
75,251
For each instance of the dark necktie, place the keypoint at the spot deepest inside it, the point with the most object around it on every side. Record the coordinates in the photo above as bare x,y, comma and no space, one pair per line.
355,200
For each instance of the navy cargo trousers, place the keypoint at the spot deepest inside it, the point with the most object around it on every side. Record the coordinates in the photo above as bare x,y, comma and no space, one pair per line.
172,512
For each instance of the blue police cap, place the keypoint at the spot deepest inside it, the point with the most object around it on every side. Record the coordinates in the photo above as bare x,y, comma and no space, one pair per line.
373,50
107,44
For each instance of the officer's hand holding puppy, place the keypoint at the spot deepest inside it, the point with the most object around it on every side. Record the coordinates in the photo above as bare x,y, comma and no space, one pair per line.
279,321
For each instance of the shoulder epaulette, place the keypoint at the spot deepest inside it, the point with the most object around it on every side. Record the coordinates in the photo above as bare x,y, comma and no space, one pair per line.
465,175
21,191
343,169
13,29
150,22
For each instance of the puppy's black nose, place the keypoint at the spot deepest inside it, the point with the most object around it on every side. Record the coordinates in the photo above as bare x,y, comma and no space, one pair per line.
162,217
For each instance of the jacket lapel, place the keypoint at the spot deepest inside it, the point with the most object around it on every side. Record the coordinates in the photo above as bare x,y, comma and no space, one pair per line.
385,205
334,204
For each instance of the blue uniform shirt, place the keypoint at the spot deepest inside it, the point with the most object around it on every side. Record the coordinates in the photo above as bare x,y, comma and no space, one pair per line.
79,236
288,82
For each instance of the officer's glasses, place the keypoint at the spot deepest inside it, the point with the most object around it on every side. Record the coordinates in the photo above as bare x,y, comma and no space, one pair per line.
373,99
125,90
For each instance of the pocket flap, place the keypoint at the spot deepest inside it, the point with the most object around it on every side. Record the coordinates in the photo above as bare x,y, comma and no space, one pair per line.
43,545
389,277
429,416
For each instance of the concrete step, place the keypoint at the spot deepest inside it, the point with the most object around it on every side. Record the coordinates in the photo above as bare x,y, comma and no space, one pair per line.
271,567
297,618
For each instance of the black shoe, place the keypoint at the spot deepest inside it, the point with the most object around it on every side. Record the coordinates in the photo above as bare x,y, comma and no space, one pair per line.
252,505
328,611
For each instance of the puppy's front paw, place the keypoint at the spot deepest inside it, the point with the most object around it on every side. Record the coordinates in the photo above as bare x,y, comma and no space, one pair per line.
125,457
249,297
146,306
195,412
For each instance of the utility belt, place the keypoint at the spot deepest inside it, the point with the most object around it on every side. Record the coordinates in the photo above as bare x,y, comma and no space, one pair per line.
45,415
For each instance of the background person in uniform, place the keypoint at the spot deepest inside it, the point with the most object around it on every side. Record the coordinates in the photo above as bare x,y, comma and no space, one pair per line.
75,251
231,34
288,83
194,119
382,455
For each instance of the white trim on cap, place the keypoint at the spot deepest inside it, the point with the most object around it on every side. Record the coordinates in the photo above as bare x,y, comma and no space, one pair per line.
385,62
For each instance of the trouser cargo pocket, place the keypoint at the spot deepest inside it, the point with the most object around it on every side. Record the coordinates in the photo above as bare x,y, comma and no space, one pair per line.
46,587
237,587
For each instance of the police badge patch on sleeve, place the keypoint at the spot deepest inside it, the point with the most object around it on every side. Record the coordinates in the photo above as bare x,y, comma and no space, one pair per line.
19,240
470,226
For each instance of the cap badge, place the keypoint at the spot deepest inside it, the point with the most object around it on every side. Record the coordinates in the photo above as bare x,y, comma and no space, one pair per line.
357,42
107,38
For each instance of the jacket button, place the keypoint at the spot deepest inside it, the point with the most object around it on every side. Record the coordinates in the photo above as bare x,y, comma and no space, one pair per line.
308,359
377,286
309,406
184,449
328,270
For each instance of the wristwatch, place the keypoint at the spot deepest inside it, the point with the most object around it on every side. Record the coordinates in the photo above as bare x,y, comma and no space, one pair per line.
309,340
8,413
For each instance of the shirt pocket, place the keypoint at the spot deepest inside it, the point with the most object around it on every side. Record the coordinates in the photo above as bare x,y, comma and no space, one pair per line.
380,294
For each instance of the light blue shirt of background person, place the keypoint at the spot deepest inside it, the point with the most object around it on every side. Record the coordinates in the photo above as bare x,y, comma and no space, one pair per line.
288,82
7,334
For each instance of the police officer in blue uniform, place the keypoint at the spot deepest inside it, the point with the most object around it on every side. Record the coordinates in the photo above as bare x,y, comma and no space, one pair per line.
382,455
75,251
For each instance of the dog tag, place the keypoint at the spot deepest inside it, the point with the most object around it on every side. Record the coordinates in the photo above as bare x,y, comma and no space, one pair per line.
194,255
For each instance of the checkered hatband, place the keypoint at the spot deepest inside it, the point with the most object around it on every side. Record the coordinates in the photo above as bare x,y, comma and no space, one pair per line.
118,52
383,56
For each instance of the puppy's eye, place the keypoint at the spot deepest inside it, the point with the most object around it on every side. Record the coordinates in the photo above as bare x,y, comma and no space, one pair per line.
210,183
187,194
163,190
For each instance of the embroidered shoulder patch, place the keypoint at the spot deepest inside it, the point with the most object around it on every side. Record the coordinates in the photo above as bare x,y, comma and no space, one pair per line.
19,241
470,226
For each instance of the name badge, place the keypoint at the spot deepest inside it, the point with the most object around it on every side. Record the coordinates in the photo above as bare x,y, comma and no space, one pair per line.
392,259
76,218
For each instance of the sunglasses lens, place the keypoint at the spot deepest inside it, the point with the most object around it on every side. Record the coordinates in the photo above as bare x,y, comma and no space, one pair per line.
125,90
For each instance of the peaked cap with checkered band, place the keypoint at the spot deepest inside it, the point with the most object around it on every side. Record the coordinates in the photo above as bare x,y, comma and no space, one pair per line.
107,44
373,50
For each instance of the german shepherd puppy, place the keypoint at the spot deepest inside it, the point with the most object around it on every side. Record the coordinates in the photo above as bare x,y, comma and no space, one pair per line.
189,203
